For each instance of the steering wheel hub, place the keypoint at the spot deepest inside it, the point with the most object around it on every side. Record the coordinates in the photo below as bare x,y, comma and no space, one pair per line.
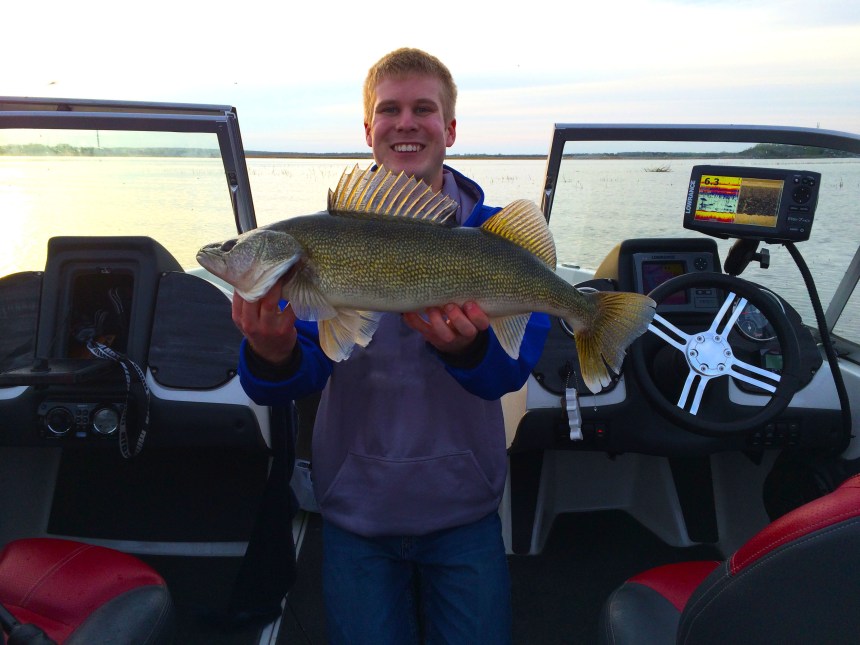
707,354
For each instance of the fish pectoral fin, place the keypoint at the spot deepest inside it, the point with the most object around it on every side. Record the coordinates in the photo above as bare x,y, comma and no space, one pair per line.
306,299
510,331
348,328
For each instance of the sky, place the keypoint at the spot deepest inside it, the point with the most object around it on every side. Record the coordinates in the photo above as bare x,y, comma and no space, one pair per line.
294,71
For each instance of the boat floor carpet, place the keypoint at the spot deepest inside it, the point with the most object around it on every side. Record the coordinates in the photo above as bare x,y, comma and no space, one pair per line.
162,495
201,587
556,595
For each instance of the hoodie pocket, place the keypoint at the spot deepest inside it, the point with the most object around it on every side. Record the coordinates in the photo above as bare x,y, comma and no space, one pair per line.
375,495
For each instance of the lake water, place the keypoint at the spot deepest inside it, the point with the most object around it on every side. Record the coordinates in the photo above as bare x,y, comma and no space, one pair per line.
183,203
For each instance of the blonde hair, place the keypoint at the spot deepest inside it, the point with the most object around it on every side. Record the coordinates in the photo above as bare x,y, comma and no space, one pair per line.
403,62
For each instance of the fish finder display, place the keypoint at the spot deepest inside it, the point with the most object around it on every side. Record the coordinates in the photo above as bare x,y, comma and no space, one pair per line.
751,203
738,200
656,273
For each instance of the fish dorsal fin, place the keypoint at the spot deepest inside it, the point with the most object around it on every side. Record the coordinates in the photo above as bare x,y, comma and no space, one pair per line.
381,193
522,223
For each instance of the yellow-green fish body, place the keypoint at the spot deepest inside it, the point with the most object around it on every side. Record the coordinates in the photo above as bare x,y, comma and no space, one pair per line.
384,246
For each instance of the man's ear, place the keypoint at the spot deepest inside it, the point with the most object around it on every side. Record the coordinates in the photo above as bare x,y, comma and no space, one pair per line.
451,133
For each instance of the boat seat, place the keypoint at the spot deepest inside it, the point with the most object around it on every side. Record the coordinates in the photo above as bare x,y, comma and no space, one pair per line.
796,581
79,593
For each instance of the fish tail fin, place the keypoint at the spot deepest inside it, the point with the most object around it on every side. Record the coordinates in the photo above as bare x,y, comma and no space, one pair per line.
619,318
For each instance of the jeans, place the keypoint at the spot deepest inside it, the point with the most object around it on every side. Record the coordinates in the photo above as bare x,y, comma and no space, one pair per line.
450,586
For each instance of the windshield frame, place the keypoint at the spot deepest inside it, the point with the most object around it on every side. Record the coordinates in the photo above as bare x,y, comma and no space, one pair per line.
82,114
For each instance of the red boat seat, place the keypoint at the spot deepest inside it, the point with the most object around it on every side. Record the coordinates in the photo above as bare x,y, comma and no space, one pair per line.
79,593
796,581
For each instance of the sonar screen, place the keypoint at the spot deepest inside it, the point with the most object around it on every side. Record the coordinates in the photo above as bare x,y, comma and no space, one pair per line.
766,204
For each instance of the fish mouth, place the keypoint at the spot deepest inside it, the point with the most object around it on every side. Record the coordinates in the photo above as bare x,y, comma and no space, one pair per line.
209,260
407,147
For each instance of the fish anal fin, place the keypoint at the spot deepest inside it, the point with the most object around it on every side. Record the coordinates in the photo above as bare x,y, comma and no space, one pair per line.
382,193
523,223
348,328
509,331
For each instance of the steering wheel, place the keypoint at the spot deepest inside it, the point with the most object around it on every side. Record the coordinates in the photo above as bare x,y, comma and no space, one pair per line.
708,356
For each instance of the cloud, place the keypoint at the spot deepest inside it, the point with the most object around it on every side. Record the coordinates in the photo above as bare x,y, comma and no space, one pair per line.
295,71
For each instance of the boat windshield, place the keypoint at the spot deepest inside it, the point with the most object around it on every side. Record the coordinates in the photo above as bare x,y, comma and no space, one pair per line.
180,176
167,185
602,192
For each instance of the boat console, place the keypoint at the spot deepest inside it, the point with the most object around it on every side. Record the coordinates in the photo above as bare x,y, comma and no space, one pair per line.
751,204
115,349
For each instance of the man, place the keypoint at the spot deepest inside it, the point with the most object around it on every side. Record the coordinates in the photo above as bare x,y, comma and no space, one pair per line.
409,458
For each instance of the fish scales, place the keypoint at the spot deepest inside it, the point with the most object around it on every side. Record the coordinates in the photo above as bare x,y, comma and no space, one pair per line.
413,265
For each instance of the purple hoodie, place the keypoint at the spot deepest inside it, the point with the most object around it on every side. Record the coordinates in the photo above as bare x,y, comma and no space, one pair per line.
407,442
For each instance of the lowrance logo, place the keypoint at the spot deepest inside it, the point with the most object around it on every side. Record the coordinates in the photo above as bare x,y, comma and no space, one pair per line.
690,192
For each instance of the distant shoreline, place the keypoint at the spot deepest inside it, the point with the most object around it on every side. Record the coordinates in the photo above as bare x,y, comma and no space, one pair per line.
759,151
261,154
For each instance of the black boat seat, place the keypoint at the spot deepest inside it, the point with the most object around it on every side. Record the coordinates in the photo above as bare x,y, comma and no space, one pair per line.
79,593
796,581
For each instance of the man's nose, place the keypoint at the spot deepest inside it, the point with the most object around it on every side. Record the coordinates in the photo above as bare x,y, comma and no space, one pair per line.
406,121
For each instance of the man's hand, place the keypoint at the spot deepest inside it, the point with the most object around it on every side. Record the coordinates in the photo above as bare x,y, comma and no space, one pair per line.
451,329
270,331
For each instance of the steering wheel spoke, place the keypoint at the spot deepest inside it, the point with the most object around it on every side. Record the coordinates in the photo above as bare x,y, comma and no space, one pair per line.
701,383
733,311
672,335
767,380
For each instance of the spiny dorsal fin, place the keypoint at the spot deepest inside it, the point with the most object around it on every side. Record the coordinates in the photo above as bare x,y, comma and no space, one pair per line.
381,193
522,223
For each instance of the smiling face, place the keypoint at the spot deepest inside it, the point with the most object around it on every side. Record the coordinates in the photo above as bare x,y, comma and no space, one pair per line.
409,130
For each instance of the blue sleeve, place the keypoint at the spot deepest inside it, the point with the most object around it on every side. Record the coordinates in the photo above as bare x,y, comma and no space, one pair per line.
497,374
311,376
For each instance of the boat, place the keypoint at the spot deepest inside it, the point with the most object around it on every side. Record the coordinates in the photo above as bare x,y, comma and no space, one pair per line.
123,426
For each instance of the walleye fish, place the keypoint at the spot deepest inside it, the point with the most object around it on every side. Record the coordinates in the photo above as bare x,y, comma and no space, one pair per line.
385,245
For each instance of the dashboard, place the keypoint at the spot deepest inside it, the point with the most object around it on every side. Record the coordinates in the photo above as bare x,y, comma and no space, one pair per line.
624,418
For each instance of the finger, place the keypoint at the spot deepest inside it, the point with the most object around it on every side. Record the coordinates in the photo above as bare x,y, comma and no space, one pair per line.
269,301
476,315
439,325
238,306
245,314
460,322
416,322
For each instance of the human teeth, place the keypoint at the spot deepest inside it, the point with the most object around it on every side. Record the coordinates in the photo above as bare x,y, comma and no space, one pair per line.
407,148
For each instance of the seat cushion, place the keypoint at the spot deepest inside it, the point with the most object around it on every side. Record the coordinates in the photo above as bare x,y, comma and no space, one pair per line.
60,585
647,608
793,582
838,506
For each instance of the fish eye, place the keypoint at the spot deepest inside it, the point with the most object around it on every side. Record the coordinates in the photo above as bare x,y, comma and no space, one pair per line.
228,246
